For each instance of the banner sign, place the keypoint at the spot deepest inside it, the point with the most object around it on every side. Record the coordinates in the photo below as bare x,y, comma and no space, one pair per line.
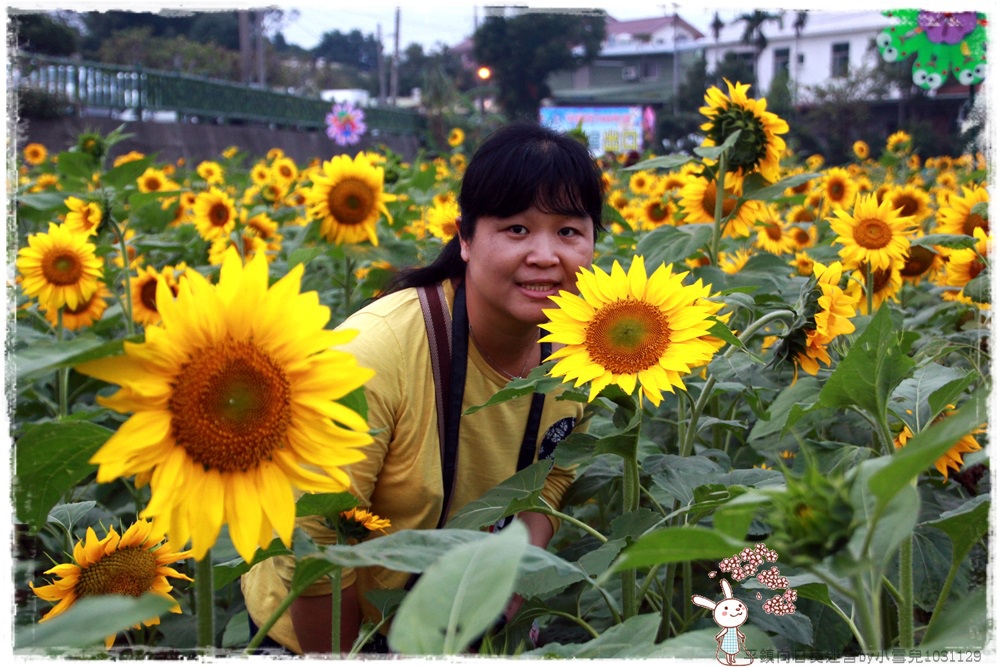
614,129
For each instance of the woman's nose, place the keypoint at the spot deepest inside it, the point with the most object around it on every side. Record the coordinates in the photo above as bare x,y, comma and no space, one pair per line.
543,250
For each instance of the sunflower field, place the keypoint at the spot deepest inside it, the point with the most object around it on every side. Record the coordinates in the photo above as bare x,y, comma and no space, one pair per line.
785,364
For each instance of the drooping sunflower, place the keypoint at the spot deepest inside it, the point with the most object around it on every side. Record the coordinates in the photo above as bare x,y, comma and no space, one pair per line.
631,330
35,154
362,518
347,199
234,401
456,137
83,217
131,564
733,263
920,261
838,188
873,233
759,148
958,216
85,313
952,459
59,268
214,214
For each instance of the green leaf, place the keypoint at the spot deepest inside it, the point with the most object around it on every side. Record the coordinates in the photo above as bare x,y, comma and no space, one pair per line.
776,190
79,165
933,387
672,245
978,289
460,596
126,173
229,571
668,162
404,550
325,504
90,620
963,625
69,515
677,544
50,459
303,256
927,446
45,357
714,152
803,392
519,492
43,201
679,475
953,241
544,573
965,525
874,365
537,380
308,571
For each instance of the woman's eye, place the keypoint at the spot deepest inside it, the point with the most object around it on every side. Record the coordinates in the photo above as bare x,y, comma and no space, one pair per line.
518,229
569,231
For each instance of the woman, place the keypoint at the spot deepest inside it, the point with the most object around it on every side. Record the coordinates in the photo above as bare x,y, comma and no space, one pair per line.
531,202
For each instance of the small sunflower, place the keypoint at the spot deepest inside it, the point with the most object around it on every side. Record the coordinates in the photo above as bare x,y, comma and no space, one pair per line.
234,404
441,218
131,564
919,262
964,264
911,200
952,459
898,142
655,212
155,180
211,172
958,216
35,154
85,314
83,217
131,156
861,150
214,214
641,182
284,170
698,204
874,233
886,284
759,148
838,188
733,263
456,137
260,173
59,268
803,264
773,233
347,198
627,329
144,291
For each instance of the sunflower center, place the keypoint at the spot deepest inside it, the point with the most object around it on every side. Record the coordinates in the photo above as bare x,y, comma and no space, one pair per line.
147,295
918,260
124,572
907,203
974,221
657,212
708,201
351,201
836,190
751,147
773,231
801,236
219,214
231,406
62,268
627,336
153,184
872,233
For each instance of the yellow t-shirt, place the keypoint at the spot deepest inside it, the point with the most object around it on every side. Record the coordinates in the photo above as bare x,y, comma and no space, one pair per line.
400,479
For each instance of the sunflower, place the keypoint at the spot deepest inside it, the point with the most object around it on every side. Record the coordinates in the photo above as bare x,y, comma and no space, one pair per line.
655,212
44,182
253,245
875,233
155,180
698,203
919,261
85,313
886,284
641,182
964,264
131,564
773,234
759,148
234,402
626,329
347,199
952,459
441,218
861,150
734,263
360,518
912,201
838,188
59,268
35,154
456,137
210,171
214,214
83,217
131,156
260,173
144,292
958,216
803,264
284,170
898,142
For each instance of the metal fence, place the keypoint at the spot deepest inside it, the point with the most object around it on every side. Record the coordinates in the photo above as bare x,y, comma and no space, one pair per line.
91,85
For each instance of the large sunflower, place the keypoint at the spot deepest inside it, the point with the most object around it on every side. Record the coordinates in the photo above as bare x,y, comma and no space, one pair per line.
874,233
130,564
759,148
347,199
957,217
59,268
234,402
214,214
628,329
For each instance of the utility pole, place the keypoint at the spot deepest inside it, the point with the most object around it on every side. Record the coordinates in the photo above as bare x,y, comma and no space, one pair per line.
676,63
246,53
259,37
381,65
394,71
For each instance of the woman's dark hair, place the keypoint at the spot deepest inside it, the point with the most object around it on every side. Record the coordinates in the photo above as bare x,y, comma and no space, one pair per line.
520,165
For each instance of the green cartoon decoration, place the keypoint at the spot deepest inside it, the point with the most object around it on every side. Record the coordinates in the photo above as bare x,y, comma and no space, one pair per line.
946,43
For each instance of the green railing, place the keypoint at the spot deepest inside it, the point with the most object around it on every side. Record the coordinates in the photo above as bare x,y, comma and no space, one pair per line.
99,85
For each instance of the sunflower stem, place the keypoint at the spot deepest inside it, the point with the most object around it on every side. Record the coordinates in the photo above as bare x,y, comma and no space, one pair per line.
204,599
906,592
630,503
335,603
720,194
870,287
129,322
348,284
63,374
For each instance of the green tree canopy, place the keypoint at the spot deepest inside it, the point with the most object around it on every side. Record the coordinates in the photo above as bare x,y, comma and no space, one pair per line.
523,50
352,48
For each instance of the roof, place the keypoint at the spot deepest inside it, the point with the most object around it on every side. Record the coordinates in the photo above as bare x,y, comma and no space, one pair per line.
648,26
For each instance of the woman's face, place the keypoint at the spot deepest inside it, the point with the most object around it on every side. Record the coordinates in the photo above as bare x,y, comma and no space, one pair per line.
515,264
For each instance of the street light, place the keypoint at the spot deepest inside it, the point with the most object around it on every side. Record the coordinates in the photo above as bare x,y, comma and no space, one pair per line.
484,73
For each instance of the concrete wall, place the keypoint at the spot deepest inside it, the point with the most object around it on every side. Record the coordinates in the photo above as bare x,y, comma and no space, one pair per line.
193,142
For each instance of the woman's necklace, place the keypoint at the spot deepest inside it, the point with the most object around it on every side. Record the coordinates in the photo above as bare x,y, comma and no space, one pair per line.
497,366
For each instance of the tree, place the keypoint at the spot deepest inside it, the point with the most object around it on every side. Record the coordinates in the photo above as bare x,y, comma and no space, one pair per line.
753,31
734,69
353,48
523,50
45,34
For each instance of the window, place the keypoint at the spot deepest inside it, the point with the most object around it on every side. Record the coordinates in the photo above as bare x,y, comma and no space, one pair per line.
840,59
649,71
782,58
